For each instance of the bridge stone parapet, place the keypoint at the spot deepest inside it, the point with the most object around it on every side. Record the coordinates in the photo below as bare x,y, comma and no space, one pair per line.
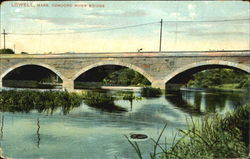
158,68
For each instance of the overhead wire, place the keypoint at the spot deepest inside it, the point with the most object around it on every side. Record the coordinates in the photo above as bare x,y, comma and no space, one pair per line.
209,21
176,24
130,26
89,31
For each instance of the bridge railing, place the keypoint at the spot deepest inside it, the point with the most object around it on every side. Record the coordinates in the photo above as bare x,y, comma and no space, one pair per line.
133,54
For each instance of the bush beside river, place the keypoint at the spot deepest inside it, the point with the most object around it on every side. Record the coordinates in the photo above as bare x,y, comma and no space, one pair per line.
151,92
221,79
25,101
214,136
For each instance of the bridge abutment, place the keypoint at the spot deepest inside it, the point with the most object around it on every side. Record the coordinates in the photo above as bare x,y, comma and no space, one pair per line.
68,85
1,84
158,84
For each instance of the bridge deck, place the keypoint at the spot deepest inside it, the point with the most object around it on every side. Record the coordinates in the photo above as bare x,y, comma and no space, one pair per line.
134,54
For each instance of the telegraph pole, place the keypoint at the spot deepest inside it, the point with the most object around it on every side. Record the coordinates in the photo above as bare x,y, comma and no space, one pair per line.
160,36
4,38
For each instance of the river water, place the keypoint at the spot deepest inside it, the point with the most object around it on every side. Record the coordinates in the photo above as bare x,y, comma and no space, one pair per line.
91,133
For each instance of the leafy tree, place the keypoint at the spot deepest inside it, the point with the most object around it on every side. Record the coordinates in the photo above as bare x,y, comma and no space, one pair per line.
6,51
125,77
245,83
215,77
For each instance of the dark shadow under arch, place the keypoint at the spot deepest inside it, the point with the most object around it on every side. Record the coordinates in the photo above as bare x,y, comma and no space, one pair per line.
31,76
109,75
242,67
183,77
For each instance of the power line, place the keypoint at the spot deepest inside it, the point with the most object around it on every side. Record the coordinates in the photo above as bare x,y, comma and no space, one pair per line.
208,21
133,26
89,31
176,24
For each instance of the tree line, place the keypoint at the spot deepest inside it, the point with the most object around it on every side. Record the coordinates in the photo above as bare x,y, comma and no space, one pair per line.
217,77
9,51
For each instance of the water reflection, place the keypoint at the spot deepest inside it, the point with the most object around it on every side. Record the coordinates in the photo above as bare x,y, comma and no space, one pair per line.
103,101
189,101
2,126
111,108
95,130
127,96
200,102
177,99
37,132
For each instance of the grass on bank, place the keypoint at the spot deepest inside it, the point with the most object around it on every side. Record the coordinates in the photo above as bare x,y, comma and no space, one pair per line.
26,100
49,101
212,137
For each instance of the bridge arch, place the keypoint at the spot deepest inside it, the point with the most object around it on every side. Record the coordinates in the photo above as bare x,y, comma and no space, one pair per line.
206,63
51,68
119,63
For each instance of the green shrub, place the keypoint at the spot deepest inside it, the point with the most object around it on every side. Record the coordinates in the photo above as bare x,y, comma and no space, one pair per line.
25,101
151,92
6,51
213,136
103,101
98,99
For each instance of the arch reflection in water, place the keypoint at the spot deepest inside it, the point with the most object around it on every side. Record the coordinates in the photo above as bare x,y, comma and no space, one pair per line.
177,100
103,101
48,101
206,101
2,126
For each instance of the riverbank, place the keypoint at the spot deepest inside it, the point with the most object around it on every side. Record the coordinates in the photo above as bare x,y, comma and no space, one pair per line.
214,136
223,87
229,87
102,111
31,84
27,100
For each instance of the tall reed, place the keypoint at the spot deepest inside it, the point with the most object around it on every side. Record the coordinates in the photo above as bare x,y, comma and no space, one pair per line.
214,136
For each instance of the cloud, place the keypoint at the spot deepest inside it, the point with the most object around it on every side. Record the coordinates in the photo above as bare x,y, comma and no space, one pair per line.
87,18
119,13
136,13
57,20
174,15
211,33
203,33
192,11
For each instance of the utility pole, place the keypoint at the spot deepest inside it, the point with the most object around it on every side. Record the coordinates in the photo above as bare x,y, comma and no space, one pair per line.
14,47
4,38
160,36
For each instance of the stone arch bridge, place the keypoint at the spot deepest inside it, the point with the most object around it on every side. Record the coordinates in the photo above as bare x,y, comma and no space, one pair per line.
158,67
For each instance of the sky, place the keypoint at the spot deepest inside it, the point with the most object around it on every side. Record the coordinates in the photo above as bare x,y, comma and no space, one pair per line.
124,26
